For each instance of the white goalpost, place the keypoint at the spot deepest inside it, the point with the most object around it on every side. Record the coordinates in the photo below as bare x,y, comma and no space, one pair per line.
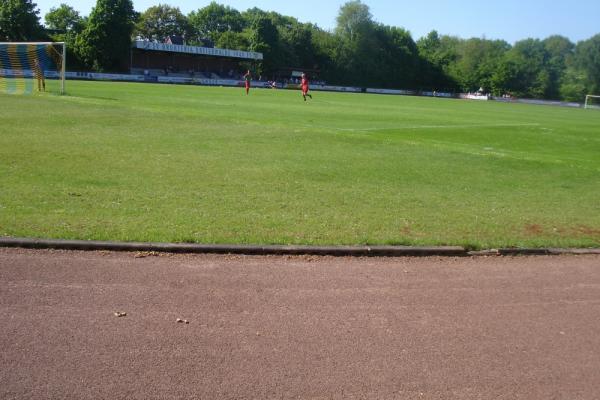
27,67
592,101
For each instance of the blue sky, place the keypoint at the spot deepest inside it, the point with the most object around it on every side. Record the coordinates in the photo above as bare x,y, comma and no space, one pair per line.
510,20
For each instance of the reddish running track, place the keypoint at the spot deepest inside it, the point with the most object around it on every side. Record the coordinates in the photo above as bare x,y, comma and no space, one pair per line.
297,327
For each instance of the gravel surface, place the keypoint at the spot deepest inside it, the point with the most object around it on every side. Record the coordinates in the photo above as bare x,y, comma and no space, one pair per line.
95,325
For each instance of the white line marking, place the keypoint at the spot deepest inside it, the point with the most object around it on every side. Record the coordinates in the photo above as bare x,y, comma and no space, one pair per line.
508,125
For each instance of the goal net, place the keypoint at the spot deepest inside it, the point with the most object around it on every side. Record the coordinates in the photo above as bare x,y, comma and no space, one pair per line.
32,67
592,101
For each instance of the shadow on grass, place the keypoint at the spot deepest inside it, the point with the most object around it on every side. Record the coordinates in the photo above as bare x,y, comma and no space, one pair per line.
91,97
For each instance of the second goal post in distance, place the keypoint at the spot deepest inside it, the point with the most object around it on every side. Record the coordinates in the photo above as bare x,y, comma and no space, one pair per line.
29,67
592,101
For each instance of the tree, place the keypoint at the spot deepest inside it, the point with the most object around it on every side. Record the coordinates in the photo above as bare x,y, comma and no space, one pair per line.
105,43
504,79
354,19
19,21
324,45
234,41
477,62
251,14
560,50
159,22
430,45
581,74
65,24
357,46
522,70
264,38
587,61
64,19
573,87
213,20
297,43
438,54
399,59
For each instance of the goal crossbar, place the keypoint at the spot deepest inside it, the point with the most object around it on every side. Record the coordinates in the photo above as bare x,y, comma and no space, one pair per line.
45,43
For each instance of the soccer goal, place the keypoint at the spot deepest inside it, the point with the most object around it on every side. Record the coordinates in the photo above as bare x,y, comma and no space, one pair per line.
32,67
592,101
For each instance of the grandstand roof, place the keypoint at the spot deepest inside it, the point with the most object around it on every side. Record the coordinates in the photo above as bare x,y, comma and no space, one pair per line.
173,48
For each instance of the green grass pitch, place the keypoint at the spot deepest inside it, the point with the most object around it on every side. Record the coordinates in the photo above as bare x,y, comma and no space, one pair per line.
145,162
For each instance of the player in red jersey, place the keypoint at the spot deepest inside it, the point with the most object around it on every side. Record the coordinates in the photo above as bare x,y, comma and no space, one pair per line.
247,79
305,87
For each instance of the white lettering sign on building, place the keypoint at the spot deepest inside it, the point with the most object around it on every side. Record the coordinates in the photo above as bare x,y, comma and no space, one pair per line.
144,45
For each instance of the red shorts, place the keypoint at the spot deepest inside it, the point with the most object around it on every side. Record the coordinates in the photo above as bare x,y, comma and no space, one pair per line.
304,89
247,85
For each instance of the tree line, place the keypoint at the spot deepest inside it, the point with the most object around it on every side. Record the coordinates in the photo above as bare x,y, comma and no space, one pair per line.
358,52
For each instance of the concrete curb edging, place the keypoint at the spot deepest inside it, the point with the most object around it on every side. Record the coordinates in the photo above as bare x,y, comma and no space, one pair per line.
533,252
337,251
